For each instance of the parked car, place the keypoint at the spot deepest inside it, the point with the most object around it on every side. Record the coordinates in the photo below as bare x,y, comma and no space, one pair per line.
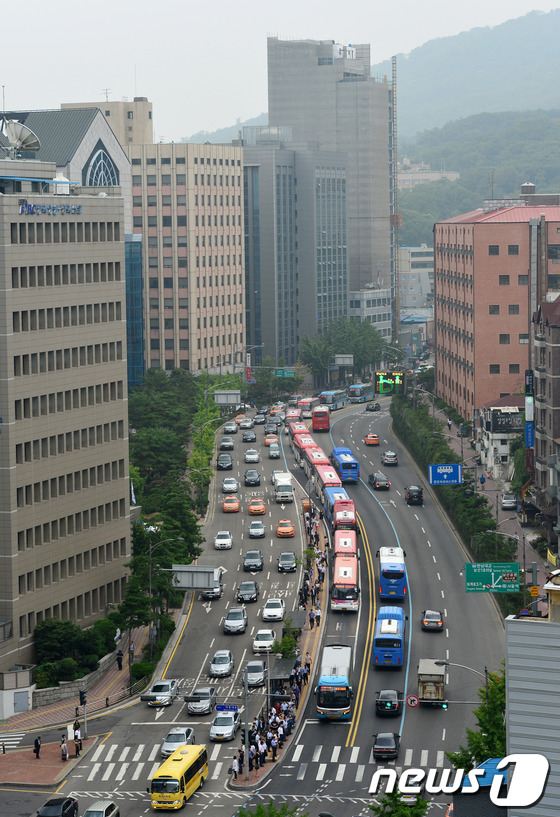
431,620
59,807
222,664
207,697
179,736
224,462
226,444
263,640
253,560
248,591
162,693
225,726
229,485
386,746
256,673
273,610
509,502
389,458
235,620
287,562
379,481
373,406
414,495
252,477
388,703
102,808
223,540
249,437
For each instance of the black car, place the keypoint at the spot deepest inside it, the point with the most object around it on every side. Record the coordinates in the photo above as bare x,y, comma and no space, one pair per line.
224,462
414,495
253,560
270,428
249,437
248,591
379,481
373,406
59,807
263,410
276,420
287,562
226,444
259,419
432,620
252,477
388,703
386,746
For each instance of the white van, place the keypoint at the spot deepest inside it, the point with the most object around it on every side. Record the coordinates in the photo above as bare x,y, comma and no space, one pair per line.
217,591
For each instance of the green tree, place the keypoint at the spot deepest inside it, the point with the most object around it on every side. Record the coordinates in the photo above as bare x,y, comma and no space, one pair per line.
489,739
55,639
157,451
270,810
391,805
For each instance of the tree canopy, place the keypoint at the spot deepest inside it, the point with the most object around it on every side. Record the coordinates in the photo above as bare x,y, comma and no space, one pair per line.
489,739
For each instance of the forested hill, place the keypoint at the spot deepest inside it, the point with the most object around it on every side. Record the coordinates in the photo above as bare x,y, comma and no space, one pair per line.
511,67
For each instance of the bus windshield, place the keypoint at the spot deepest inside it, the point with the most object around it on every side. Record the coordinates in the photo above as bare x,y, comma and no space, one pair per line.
160,786
343,593
333,697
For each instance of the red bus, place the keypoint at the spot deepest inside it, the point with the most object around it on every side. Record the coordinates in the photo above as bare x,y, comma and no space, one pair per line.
345,543
292,415
299,443
307,404
312,457
344,516
345,589
320,418
297,428
325,477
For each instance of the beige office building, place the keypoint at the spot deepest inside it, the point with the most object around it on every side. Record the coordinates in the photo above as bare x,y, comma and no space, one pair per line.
131,122
64,485
187,202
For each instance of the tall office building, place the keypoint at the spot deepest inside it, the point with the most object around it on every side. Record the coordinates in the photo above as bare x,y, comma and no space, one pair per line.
325,92
188,205
65,532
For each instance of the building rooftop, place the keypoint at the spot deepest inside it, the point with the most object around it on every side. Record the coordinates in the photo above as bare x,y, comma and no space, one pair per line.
510,401
506,215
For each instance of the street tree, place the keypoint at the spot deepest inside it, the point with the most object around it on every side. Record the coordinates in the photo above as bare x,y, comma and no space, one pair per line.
489,739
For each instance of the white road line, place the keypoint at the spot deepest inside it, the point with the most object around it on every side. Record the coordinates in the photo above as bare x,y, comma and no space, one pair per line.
122,771
217,770
301,771
408,757
354,754
108,771
360,773
138,753
440,759
111,752
438,575
124,753
137,771
316,754
429,543
335,754
321,771
94,769
424,757
154,752
340,772
297,752
443,734
153,770
99,751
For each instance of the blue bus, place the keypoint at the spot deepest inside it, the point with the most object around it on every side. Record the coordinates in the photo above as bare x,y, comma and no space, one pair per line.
334,688
336,399
361,393
345,464
330,496
388,639
392,573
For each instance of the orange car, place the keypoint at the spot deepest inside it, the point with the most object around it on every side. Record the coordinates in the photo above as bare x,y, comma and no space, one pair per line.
371,439
285,528
270,438
230,504
239,418
276,410
256,506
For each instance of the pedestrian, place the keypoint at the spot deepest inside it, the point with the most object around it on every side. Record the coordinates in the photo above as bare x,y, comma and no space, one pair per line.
234,767
131,651
313,512
313,594
306,517
37,746
77,742
304,674
311,618
308,661
241,755
120,657
482,481
64,748
317,615
299,679
296,696
251,757
316,538
262,751
449,423
76,725
321,515
280,734
274,747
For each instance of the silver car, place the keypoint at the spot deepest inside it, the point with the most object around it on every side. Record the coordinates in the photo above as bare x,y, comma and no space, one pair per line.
256,673
229,485
256,529
206,701
273,451
179,736
223,540
222,664
235,620
224,726
252,455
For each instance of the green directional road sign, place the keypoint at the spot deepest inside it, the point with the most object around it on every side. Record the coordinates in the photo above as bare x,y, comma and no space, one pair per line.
492,577
284,372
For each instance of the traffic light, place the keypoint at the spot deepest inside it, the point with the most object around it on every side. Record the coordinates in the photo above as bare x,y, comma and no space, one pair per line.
83,699
444,705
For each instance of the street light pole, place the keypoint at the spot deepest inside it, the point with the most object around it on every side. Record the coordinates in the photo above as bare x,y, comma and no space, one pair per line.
484,675
152,546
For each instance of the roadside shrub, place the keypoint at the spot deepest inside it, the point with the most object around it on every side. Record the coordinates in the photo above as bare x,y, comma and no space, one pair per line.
107,629
45,675
141,669
65,670
90,662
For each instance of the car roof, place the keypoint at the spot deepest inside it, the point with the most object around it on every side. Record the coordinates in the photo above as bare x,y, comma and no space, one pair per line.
289,553
222,652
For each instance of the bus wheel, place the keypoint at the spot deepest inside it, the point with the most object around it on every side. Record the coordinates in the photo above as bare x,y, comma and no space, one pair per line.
201,783
184,802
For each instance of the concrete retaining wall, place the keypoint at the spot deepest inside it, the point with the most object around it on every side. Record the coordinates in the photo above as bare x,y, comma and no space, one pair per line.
71,689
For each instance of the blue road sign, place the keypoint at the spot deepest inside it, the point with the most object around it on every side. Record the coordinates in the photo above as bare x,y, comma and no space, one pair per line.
227,707
529,435
451,474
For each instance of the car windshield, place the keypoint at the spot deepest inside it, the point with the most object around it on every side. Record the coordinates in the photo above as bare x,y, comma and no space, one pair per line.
220,659
253,554
254,667
263,637
165,786
160,688
273,603
175,737
235,615
385,740
223,720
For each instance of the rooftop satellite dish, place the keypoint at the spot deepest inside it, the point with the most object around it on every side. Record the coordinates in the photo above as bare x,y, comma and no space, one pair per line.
19,136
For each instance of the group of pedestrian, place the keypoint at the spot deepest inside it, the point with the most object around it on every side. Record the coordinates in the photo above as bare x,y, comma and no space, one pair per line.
266,738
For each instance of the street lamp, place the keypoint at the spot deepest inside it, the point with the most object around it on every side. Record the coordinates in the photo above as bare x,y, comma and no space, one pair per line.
516,537
442,663
199,471
152,546
443,434
212,420
245,349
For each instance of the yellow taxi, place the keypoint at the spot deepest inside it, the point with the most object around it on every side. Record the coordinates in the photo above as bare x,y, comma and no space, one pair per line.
230,504
256,506
240,418
285,528
270,438
371,439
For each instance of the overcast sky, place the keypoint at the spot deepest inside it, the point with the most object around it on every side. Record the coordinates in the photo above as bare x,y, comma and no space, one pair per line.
202,64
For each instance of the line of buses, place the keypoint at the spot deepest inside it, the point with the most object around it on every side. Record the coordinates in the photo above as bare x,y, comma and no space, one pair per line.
318,409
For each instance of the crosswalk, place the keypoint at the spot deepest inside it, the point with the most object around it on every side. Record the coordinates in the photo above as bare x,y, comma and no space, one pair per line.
137,763
11,740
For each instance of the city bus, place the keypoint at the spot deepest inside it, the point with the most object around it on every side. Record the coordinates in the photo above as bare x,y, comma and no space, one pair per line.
297,427
392,573
345,543
325,477
388,638
345,587
299,443
335,400
307,404
312,457
344,516
292,415
361,393
320,418
179,777
345,464
334,688
331,496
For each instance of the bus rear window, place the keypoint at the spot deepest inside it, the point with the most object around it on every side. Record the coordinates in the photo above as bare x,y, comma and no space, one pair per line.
393,574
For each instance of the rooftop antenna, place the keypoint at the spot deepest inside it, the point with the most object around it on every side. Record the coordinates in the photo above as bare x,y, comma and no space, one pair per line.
106,92
491,179
19,136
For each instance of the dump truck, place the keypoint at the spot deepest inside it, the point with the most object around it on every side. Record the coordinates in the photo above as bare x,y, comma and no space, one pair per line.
283,489
431,683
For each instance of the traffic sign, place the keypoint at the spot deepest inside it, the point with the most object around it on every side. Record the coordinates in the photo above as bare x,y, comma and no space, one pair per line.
412,700
492,577
448,474
534,590
284,372
227,707
529,435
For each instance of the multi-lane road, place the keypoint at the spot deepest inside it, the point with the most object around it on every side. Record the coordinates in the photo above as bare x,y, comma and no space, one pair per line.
327,767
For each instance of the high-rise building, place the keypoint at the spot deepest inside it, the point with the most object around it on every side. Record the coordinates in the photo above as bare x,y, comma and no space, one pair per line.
131,122
188,206
325,92
65,533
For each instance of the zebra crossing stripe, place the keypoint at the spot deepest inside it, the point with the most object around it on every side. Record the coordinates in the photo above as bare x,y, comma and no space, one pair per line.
321,771
360,773
297,752
98,752
423,758
108,771
124,753
340,772
440,759
335,754
138,753
111,751
301,771
408,757
153,753
316,754
94,769
215,753
354,754
137,771
122,771
217,770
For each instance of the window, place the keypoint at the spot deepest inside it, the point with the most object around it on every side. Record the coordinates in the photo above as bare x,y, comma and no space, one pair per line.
513,309
513,249
514,368
494,249
523,280
553,252
523,338
504,340
503,280
494,368
494,309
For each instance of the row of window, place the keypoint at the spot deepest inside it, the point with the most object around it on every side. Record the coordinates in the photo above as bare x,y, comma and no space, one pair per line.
199,199
180,160
55,402
54,318
74,523
494,249
495,368
45,447
230,261
77,608
67,568
494,309
48,489
62,274
55,232
170,343
70,358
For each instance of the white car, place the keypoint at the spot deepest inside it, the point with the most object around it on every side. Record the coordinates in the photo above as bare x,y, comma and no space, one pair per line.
229,485
247,423
264,640
252,455
274,610
162,693
223,540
